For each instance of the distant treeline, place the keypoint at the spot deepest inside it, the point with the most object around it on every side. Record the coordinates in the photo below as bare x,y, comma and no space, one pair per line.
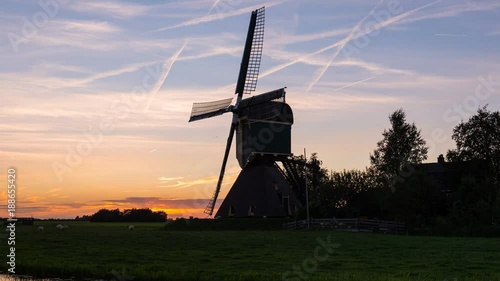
129,215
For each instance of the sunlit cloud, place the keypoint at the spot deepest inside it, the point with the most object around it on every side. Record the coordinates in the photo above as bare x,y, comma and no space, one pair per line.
170,178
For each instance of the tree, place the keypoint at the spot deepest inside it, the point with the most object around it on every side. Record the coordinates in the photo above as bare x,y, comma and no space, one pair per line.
402,144
354,194
129,215
478,139
418,201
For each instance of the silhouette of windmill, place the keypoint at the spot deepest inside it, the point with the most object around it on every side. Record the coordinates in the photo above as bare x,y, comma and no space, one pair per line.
263,136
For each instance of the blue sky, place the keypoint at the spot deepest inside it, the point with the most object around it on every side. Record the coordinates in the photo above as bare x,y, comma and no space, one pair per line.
70,66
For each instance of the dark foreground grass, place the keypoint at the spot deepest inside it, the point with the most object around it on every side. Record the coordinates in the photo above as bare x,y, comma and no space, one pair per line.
108,250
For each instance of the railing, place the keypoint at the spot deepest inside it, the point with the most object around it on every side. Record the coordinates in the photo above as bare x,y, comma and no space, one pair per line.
350,225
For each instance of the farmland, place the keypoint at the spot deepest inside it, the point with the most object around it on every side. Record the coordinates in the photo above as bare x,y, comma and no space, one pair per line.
151,252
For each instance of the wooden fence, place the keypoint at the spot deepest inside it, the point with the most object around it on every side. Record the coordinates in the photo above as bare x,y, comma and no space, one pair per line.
350,225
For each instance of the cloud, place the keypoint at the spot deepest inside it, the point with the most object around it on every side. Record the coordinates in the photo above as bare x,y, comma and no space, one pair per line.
343,102
279,38
81,34
170,179
115,9
339,43
453,11
341,46
77,26
162,203
190,183
219,16
166,70
450,35
353,84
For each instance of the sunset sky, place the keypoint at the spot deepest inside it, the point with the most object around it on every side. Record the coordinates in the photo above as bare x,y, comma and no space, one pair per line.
95,95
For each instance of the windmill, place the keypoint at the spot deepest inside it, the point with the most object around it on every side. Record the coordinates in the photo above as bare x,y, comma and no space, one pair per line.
263,131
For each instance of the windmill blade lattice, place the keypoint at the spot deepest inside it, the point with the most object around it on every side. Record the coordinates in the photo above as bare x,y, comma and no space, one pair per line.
255,53
203,110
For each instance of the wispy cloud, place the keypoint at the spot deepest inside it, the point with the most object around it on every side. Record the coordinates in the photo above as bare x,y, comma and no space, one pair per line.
166,70
339,43
343,43
170,178
219,16
190,183
115,9
353,84
454,10
86,26
91,35
450,35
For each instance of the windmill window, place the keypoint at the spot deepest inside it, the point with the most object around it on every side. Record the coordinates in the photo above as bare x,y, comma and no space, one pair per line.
251,210
286,204
232,210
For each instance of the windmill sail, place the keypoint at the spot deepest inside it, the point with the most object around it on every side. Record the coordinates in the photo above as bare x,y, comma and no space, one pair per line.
247,81
252,54
255,53
203,110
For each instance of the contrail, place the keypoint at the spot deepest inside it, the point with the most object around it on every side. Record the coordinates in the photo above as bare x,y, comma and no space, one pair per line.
450,35
354,83
212,17
216,2
166,70
344,42
375,28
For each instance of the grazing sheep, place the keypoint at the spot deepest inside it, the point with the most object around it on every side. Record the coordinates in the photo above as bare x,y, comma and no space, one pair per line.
40,228
60,227
65,227
131,227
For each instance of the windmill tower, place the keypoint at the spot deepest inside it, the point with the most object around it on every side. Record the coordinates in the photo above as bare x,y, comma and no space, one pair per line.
263,136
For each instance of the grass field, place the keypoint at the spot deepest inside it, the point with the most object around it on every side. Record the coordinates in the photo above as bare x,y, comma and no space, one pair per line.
107,250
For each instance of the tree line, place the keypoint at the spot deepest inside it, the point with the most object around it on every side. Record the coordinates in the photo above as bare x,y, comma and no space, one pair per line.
396,186
128,215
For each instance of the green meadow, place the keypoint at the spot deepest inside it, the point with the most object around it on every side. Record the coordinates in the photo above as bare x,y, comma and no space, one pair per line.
152,252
